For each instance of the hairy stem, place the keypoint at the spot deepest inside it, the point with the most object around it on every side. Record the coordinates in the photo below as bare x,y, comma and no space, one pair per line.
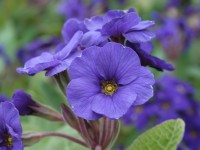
71,138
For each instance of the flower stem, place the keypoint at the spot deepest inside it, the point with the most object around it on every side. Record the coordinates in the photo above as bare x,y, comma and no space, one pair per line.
60,84
68,137
84,132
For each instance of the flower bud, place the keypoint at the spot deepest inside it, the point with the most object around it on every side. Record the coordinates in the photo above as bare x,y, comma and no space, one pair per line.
27,106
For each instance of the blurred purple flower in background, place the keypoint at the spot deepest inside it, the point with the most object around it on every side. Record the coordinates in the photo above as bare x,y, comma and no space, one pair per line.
81,9
73,9
175,36
10,127
111,81
144,52
36,47
179,27
172,99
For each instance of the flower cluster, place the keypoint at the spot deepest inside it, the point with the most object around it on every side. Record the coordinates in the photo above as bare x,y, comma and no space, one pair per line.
178,27
106,58
172,99
124,27
101,68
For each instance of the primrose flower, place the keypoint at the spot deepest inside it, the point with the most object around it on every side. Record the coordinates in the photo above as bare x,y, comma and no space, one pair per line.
107,81
175,36
117,24
72,9
28,106
124,27
10,127
24,102
53,63
144,52
36,47
172,99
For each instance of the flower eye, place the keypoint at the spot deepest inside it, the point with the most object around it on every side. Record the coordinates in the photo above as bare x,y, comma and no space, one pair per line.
109,87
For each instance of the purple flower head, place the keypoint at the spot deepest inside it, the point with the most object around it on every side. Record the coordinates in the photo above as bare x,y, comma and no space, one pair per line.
107,81
144,52
175,36
173,3
70,27
192,132
10,127
73,9
178,3
119,25
36,47
23,102
172,99
138,115
28,106
54,63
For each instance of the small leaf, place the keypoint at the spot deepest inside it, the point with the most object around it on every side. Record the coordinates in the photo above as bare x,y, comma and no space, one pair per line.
165,136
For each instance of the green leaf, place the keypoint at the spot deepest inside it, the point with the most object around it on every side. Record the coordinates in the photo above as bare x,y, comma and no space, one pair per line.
165,136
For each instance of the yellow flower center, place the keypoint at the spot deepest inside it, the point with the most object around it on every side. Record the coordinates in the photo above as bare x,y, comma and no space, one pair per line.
8,141
109,87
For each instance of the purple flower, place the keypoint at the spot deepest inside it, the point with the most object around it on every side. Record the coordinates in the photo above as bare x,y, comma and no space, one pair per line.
107,81
117,26
144,52
54,63
73,9
70,27
174,3
191,137
172,98
36,47
23,102
10,127
175,36
28,106
138,115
